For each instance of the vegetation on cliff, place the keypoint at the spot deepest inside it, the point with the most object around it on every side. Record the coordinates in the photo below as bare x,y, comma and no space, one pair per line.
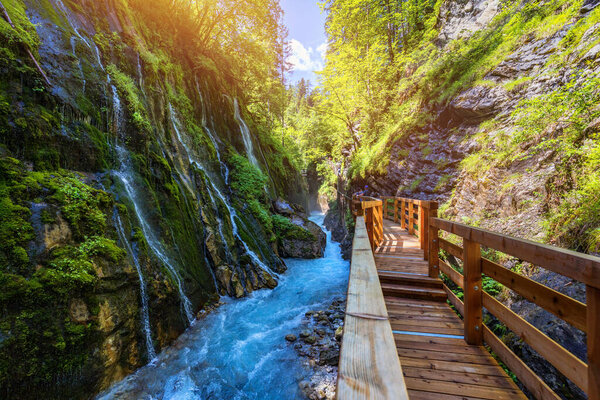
114,179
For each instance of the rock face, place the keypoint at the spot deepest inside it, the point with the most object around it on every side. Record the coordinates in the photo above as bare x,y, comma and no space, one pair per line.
473,158
119,220
297,236
336,223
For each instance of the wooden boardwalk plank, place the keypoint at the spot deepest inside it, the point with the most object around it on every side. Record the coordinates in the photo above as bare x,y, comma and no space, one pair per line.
436,361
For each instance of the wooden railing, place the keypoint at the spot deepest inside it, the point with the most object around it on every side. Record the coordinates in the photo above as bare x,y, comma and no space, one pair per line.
372,209
420,217
413,215
369,367
580,267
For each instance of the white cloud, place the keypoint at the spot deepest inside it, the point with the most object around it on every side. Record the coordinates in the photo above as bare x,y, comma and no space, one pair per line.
302,58
322,49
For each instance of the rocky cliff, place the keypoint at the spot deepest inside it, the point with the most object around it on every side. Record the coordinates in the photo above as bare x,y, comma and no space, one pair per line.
135,190
510,145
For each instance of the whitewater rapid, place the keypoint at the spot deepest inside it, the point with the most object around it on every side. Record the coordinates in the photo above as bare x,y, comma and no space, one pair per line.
239,351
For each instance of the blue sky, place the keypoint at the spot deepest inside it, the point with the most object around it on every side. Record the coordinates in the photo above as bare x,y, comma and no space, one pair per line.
306,25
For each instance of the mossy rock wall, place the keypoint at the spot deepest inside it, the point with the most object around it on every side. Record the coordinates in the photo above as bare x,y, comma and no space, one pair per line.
70,304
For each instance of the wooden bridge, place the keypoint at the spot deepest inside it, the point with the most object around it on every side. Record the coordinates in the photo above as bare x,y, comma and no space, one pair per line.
407,335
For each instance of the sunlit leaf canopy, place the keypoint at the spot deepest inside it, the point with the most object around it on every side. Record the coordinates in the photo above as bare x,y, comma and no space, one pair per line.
239,42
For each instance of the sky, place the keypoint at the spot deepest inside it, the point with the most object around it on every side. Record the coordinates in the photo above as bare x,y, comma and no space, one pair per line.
306,25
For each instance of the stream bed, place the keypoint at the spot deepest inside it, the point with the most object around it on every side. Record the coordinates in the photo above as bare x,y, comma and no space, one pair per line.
239,351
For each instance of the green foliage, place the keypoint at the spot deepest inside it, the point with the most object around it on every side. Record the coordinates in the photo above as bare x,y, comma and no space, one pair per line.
248,182
38,339
24,35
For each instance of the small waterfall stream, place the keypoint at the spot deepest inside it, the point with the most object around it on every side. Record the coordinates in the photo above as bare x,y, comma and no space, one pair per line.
127,177
194,160
145,313
239,351
245,133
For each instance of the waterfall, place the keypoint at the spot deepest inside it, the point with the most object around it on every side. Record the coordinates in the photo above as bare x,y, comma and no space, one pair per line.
140,76
126,176
211,136
74,48
145,312
67,14
213,188
99,59
245,133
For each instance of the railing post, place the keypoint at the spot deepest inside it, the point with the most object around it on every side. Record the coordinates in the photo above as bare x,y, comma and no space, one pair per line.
593,342
369,224
379,226
423,225
472,289
395,210
434,250
403,214
411,218
433,244
385,207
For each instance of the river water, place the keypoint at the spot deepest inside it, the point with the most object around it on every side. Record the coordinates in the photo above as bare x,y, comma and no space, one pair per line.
239,351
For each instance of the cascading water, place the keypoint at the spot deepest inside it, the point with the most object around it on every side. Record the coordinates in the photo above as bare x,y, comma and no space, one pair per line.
127,177
145,312
239,351
74,49
213,189
224,169
245,133
140,76
68,16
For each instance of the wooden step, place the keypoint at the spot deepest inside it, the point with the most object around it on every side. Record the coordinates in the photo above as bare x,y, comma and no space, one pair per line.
413,292
400,278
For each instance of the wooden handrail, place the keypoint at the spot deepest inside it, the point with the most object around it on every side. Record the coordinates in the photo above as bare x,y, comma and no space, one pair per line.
413,213
581,267
369,367
372,209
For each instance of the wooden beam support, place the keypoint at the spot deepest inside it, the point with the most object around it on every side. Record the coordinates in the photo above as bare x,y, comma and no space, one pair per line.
472,278
569,365
593,342
403,215
396,210
528,378
369,367
434,250
411,219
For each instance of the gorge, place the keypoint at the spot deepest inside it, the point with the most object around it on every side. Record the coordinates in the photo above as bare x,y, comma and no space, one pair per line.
158,170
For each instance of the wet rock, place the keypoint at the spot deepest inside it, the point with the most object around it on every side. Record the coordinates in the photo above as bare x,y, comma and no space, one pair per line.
78,311
305,333
339,333
329,356
310,339
291,337
282,207
321,356
307,242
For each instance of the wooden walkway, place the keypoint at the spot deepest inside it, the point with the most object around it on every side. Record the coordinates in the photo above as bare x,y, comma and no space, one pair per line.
436,361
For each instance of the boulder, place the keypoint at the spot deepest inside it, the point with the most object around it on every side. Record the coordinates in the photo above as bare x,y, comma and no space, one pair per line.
301,239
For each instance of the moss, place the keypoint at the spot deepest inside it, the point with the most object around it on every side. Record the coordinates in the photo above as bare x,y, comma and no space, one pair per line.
285,229
81,205
127,89
517,84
